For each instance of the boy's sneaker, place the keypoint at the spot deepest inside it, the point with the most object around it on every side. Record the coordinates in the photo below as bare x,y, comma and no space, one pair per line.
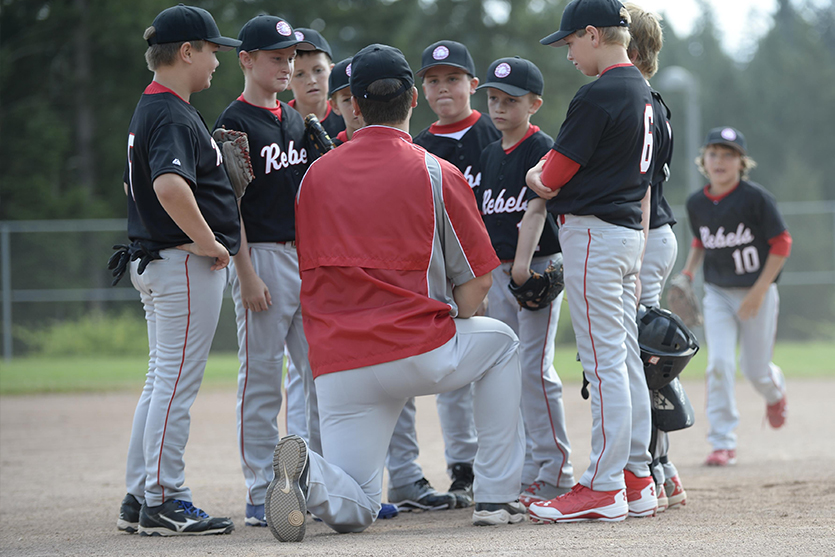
421,496
721,457
255,516
640,495
776,413
462,484
286,504
582,503
541,491
129,514
675,492
387,511
663,502
180,518
492,514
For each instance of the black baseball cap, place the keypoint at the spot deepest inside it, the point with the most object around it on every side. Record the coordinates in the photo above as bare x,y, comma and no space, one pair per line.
729,137
340,76
515,76
313,38
266,32
446,53
581,13
375,62
187,23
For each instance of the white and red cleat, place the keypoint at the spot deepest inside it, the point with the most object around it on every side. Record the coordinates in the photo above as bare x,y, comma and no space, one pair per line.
776,413
663,502
721,457
580,504
675,492
640,495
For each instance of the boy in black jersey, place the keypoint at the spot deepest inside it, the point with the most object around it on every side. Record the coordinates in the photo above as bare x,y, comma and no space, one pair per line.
183,226
596,179
265,278
310,81
514,88
740,236
340,100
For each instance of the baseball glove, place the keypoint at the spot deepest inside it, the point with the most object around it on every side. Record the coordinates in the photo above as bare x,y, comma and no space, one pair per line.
540,290
682,301
318,139
235,148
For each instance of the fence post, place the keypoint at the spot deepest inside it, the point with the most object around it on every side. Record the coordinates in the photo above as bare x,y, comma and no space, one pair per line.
5,255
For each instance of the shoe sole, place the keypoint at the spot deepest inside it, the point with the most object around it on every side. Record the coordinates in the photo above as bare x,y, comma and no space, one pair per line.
496,518
677,501
285,505
731,462
408,506
129,527
252,521
642,513
162,531
598,514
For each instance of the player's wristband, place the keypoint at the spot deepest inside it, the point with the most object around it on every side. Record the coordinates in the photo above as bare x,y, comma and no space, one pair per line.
688,274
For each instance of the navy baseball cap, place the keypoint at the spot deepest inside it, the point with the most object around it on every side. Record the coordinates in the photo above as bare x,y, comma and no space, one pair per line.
515,76
446,53
266,32
187,23
581,13
340,76
313,38
375,62
729,137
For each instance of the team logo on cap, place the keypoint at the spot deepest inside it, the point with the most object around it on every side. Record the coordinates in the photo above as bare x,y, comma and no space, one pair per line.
299,36
502,70
348,70
440,53
728,134
283,28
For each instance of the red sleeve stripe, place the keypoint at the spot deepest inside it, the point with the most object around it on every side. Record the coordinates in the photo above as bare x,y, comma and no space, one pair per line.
558,170
781,244
697,243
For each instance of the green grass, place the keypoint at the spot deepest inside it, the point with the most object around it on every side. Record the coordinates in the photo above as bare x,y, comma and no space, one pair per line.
30,375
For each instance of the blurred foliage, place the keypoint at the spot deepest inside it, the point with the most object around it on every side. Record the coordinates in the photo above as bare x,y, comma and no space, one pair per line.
94,333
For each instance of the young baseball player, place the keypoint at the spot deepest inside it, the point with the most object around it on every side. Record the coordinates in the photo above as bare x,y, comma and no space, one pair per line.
310,82
741,243
596,179
514,88
388,287
459,136
265,278
340,100
662,248
183,225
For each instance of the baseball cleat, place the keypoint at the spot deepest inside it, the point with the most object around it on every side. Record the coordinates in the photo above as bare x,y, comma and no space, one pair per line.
581,504
286,504
421,496
675,492
387,511
180,518
129,514
493,514
640,495
462,484
721,457
776,413
541,491
255,516
663,502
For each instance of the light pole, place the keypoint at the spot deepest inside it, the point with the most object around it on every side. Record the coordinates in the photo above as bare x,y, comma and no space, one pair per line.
677,79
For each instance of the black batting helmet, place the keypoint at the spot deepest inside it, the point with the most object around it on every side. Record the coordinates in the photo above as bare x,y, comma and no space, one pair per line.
667,345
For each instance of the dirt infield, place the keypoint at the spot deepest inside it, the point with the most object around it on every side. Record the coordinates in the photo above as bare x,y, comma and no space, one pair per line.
62,461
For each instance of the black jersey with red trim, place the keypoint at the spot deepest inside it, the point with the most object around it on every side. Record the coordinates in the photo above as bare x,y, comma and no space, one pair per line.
605,131
279,161
502,195
333,123
660,212
734,231
167,135
461,143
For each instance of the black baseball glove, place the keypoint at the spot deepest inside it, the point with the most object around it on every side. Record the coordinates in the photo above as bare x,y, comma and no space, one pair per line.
540,290
318,140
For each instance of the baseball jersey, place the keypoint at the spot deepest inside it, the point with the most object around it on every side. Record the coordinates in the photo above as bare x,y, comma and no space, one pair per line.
605,131
660,212
168,136
734,231
332,122
381,243
502,196
461,143
279,161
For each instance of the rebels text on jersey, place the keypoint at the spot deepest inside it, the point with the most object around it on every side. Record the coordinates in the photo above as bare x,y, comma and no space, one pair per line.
660,212
461,143
168,136
279,160
502,196
734,231
608,131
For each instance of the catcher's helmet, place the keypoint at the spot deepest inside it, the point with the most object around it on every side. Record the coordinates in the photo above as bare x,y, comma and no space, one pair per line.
667,345
671,408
